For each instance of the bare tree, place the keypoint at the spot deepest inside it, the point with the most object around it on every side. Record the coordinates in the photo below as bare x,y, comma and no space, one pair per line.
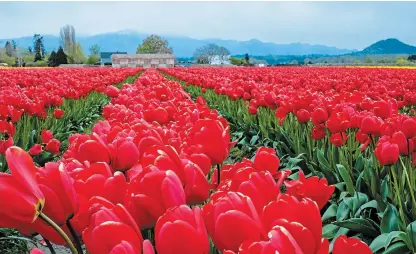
68,41
209,53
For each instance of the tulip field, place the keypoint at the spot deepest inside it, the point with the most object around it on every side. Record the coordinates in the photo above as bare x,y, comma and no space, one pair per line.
199,160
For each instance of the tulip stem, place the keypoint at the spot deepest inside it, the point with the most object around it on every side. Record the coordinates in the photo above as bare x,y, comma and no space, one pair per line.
75,237
219,173
59,230
50,247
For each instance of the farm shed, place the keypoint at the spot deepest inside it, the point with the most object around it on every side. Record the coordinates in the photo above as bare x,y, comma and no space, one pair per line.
106,56
143,60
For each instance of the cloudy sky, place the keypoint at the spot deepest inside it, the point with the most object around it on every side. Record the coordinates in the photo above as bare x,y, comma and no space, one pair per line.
352,25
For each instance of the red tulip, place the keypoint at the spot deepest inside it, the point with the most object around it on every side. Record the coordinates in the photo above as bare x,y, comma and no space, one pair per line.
7,128
405,147
344,245
387,153
181,230
214,139
196,185
338,139
5,144
21,198
409,127
266,159
112,91
303,116
58,113
53,146
319,116
124,154
36,251
98,180
259,186
318,132
232,219
151,193
93,151
46,136
107,220
370,125
300,221
61,199
35,150
314,188
280,240
203,161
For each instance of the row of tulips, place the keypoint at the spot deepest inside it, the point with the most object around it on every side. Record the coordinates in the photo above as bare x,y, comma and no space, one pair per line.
148,171
334,100
77,110
338,117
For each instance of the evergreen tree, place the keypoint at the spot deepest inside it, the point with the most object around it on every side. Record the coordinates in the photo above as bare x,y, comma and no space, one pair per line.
247,58
9,49
61,57
52,59
38,47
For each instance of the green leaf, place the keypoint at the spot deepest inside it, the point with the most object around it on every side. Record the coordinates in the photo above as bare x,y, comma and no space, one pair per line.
370,204
389,221
359,225
397,248
347,178
330,212
342,211
392,235
411,234
329,231
379,242
254,139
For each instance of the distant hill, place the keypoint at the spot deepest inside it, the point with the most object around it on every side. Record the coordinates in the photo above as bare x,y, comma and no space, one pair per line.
388,46
184,46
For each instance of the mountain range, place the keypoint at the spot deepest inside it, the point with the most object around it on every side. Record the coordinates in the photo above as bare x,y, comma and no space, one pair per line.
185,46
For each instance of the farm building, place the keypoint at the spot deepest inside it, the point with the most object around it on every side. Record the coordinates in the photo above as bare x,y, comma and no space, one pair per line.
106,57
143,60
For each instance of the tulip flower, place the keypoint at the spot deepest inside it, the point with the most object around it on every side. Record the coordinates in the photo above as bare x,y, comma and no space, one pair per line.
232,219
214,139
112,91
36,251
344,245
124,154
58,113
266,159
53,146
318,132
46,136
338,139
303,116
35,150
21,198
387,152
93,151
319,116
5,144
314,188
151,193
107,219
409,127
57,186
370,125
181,230
300,221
